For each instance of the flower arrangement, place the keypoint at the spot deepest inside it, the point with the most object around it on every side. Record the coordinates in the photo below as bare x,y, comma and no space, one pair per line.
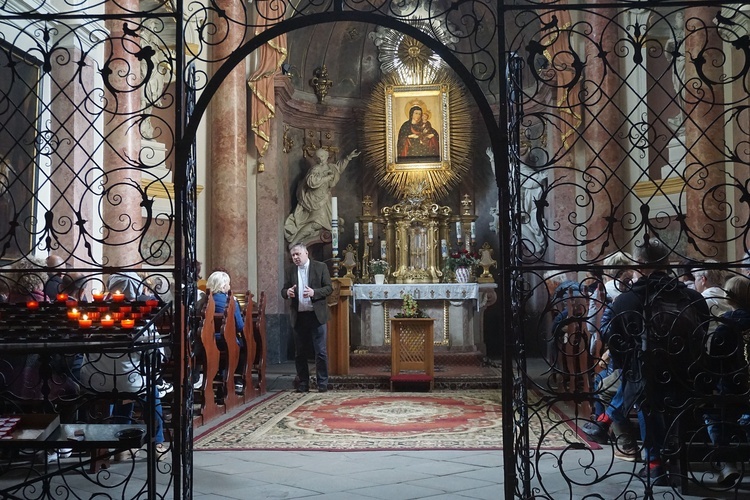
378,266
410,308
462,258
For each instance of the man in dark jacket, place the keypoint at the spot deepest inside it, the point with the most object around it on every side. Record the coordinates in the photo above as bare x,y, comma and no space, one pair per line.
307,285
656,334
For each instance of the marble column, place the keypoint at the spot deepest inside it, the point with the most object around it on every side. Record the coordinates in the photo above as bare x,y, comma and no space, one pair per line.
228,224
706,216
120,206
73,128
605,161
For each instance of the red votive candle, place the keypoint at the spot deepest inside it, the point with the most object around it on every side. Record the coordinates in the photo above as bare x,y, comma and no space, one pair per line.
74,313
94,315
97,295
125,309
107,321
32,304
145,309
127,323
62,297
152,303
117,316
118,296
84,322
71,302
136,315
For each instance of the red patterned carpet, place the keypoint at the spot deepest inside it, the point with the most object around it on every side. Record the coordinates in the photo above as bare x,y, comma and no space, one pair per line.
366,420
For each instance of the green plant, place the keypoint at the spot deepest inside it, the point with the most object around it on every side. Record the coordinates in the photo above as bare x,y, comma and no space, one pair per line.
462,258
410,308
378,266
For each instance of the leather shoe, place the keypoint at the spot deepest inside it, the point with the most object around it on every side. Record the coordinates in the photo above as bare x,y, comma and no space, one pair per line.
322,389
303,388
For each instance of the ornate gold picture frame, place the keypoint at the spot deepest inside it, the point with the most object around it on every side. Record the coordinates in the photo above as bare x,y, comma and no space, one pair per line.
417,127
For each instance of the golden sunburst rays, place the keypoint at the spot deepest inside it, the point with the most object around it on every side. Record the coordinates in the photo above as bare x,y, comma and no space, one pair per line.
440,180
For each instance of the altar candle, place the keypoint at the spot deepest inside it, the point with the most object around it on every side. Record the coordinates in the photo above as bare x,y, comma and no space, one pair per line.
444,249
74,313
473,231
62,297
127,323
370,232
97,294
118,296
458,231
107,321
356,233
84,322
335,209
335,239
383,250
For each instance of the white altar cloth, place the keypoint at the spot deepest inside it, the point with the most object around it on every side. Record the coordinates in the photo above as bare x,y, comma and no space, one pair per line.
423,291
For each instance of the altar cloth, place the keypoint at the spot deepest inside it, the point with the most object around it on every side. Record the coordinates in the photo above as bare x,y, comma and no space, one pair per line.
421,291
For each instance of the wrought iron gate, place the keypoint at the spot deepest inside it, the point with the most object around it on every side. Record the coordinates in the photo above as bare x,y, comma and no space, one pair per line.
628,133
609,123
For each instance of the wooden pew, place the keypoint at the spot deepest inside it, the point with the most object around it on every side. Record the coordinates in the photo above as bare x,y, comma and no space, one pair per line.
250,350
228,330
208,407
261,349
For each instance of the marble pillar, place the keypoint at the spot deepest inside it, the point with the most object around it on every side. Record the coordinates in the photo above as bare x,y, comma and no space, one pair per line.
706,216
605,162
74,133
228,225
121,204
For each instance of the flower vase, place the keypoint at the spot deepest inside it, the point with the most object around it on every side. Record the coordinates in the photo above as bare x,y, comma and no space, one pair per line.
379,279
463,274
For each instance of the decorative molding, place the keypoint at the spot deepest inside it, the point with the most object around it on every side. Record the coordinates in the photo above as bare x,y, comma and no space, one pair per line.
163,189
673,185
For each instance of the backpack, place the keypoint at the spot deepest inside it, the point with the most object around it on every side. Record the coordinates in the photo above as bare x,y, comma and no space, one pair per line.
672,341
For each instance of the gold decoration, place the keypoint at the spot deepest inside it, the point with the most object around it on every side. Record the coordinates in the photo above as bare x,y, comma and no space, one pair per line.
486,261
320,83
350,261
288,142
440,177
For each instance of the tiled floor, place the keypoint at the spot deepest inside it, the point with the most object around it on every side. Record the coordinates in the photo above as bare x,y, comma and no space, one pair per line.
407,475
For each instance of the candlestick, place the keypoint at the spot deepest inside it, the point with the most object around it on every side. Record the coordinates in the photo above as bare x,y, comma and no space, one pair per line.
107,321
127,323
84,322
458,231
356,233
370,232
473,231
444,249
74,313
97,295
383,250
118,296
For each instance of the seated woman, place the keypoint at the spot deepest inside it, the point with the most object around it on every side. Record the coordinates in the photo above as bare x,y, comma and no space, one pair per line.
124,374
218,283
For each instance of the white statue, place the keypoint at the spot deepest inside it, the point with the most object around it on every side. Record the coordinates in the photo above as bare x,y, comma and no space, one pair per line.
313,211
532,185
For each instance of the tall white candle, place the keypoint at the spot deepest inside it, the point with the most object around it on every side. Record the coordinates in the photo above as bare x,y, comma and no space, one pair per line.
458,231
356,232
370,232
473,230
335,208
383,250
335,239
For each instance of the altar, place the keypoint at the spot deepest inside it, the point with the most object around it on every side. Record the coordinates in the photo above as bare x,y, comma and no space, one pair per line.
457,309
